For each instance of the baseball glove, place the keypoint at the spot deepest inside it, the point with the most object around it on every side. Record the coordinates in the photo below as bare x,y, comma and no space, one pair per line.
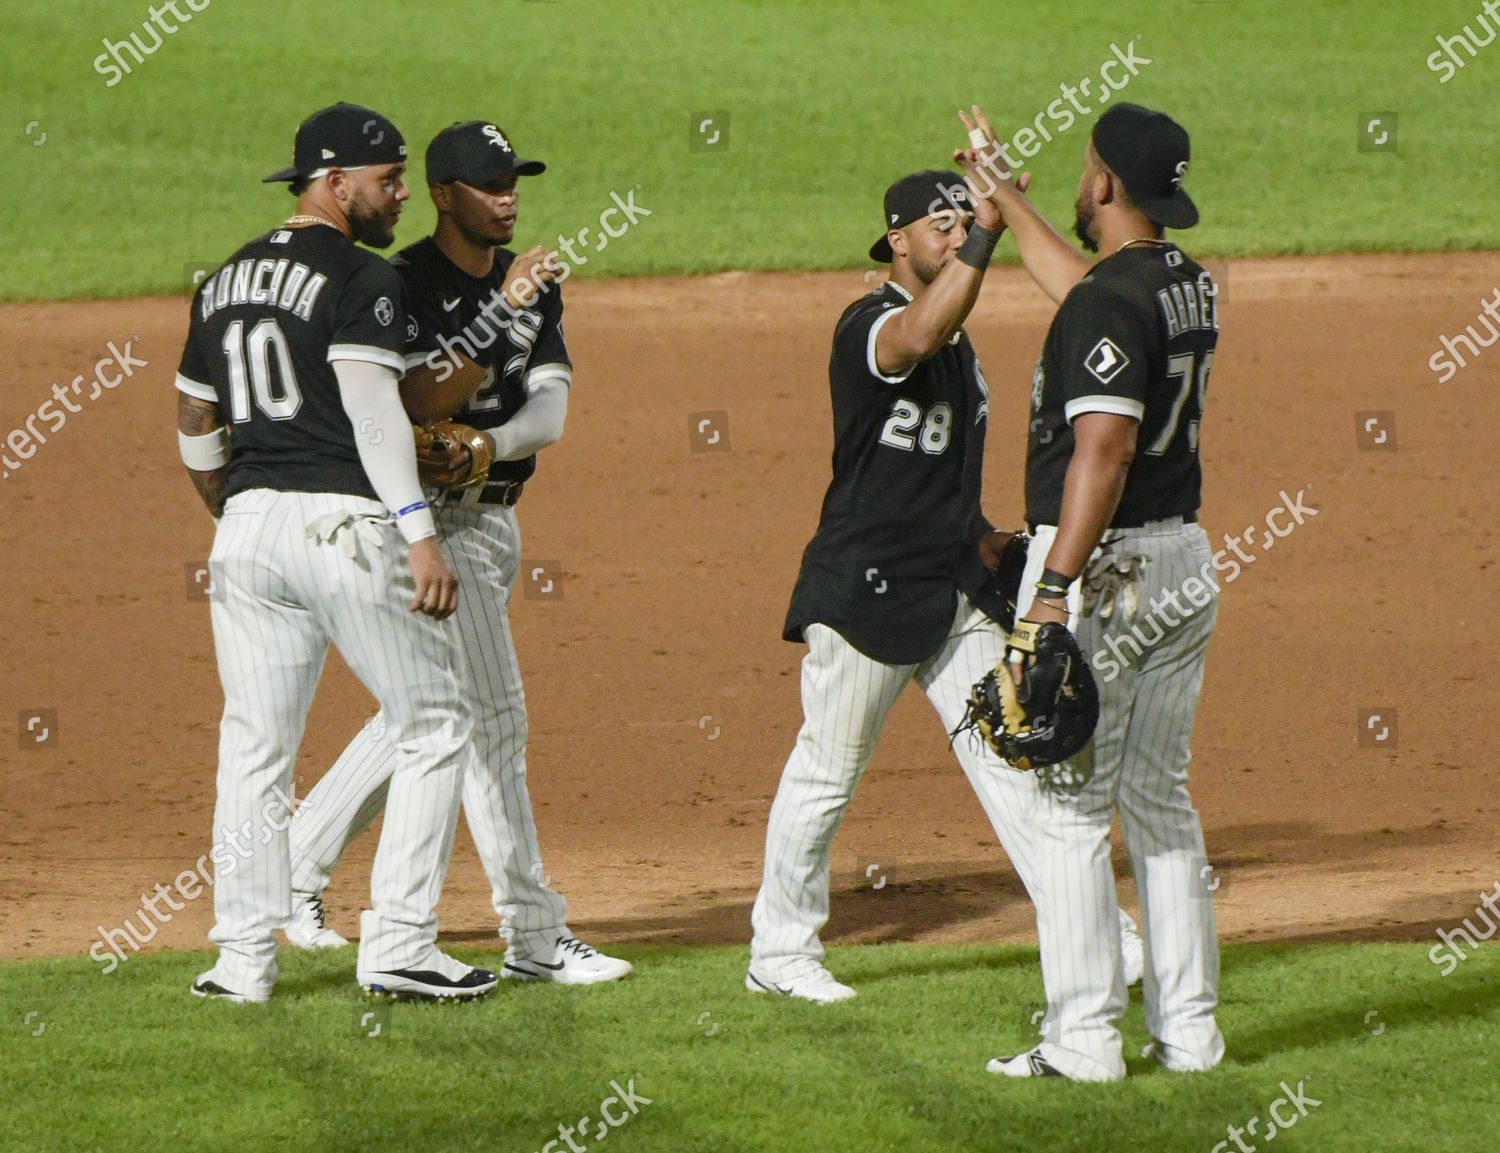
451,455
1051,715
1004,556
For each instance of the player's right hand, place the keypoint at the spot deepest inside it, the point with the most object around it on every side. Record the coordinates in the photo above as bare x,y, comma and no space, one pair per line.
537,265
995,178
437,586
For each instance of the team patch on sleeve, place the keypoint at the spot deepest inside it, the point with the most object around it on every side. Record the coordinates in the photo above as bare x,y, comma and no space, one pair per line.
1106,361
384,311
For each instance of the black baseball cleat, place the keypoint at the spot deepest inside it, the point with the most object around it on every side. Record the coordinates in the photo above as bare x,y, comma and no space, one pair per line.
1031,1064
428,985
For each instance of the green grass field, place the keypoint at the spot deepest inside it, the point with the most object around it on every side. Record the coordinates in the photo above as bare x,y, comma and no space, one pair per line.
121,190
827,102
1397,1056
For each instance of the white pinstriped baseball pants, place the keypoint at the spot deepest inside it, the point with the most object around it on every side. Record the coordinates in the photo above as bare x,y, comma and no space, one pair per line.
279,598
1139,766
483,543
846,697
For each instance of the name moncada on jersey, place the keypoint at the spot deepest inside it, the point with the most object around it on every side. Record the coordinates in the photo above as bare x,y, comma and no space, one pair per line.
287,284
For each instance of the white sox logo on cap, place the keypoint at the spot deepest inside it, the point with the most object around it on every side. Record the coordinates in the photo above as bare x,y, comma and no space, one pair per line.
496,137
1182,168
1106,361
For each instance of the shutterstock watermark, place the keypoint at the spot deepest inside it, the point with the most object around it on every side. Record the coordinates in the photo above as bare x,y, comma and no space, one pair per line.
1062,114
614,1111
1197,592
227,853
1449,953
109,372
156,26
614,222
1284,1112
1446,59
1449,358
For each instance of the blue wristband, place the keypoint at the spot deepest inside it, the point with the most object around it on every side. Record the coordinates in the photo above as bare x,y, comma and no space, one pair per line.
421,504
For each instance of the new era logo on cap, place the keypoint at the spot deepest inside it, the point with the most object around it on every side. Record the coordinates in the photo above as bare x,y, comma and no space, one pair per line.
1106,361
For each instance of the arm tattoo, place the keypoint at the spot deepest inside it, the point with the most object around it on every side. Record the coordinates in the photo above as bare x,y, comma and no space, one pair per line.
197,418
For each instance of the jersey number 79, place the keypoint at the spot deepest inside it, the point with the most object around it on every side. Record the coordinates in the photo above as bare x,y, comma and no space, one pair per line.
1182,367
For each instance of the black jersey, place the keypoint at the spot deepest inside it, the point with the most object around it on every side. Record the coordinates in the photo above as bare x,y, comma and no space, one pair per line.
265,331
1135,337
902,512
449,311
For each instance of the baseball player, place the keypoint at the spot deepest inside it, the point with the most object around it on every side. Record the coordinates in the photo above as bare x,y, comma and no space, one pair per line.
884,597
484,331
1112,493
291,426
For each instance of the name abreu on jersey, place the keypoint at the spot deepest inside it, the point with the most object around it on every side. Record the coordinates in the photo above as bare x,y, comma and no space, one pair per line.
1190,307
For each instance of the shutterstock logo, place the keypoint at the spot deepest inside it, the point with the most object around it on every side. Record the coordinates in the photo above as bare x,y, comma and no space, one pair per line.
1447,59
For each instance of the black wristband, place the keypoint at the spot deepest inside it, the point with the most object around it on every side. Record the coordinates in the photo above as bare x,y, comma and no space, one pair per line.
977,246
1051,576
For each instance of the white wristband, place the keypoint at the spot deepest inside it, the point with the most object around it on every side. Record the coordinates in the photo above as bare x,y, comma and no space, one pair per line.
204,453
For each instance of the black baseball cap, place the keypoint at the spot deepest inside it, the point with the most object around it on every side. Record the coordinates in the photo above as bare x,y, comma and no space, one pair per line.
1149,151
342,136
476,152
916,196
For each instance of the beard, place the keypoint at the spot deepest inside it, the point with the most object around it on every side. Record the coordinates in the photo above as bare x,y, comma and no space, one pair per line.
926,270
1083,220
368,226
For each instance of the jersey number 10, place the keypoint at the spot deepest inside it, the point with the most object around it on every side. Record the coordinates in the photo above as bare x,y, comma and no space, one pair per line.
1182,366
266,340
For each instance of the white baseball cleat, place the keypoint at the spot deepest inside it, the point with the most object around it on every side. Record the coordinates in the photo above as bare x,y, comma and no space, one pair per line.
1031,1064
815,984
438,977
1132,950
206,985
308,928
567,961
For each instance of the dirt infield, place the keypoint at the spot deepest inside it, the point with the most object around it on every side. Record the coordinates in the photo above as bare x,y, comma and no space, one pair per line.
663,701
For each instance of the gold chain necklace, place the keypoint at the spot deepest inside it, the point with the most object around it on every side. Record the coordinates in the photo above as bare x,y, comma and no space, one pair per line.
1142,240
309,218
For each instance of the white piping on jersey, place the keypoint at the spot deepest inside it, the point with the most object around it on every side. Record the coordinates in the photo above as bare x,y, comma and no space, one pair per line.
542,373
870,360
196,389
369,354
1116,405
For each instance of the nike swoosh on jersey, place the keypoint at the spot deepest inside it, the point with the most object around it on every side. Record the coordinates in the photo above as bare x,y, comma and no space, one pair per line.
450,305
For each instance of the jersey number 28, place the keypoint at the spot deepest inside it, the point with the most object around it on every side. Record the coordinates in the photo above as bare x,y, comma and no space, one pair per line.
266,341
906,415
